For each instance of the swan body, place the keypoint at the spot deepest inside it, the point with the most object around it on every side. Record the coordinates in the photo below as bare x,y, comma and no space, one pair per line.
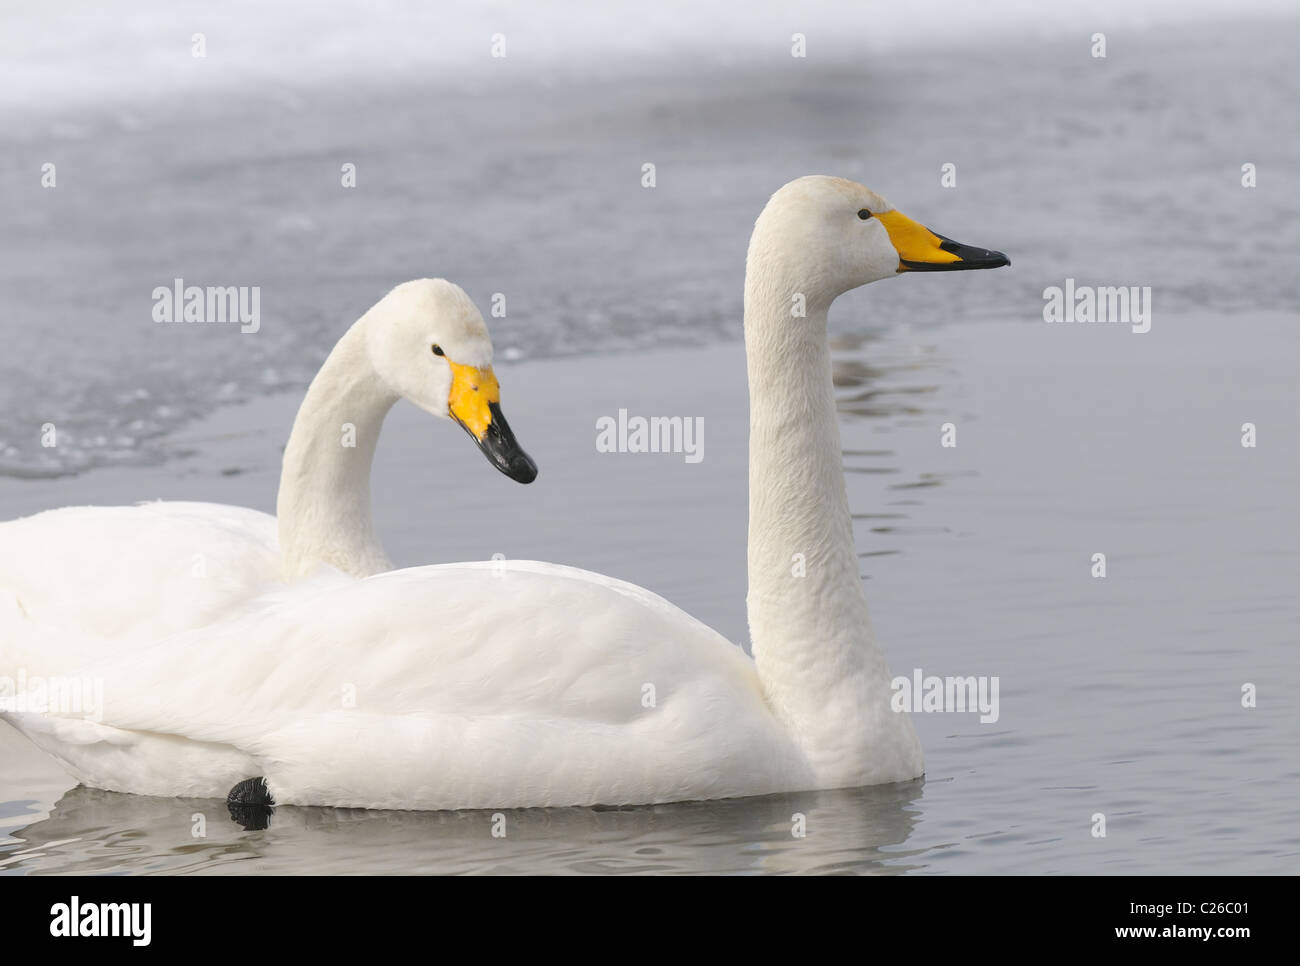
416,689
448,707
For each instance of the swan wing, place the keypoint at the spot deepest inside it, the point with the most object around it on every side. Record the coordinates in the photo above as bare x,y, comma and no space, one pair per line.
454,686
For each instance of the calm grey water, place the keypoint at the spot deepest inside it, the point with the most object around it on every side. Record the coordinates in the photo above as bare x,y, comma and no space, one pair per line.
1119,696
1117,171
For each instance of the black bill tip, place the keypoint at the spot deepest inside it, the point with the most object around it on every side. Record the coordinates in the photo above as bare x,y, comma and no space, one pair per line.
503,451
971,258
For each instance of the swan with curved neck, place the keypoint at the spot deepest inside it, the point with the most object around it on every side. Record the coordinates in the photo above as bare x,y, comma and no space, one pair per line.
426,342
126,574
537,695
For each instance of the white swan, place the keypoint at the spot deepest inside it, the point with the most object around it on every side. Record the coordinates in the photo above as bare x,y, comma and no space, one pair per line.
414,689
129,574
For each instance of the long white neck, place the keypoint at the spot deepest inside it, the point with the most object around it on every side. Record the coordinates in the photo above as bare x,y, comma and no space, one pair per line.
822,672
324,501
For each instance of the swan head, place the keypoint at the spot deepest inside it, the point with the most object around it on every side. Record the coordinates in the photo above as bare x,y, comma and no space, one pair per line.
429,344
833,235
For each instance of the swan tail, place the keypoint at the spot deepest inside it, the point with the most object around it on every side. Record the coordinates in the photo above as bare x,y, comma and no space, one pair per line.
141,762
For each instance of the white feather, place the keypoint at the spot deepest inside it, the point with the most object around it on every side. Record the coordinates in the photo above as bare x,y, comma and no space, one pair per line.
501,684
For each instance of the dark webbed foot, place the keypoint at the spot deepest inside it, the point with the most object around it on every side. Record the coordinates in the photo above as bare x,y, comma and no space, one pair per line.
251,805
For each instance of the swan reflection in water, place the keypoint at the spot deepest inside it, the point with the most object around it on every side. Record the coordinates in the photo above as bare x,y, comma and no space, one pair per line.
860,831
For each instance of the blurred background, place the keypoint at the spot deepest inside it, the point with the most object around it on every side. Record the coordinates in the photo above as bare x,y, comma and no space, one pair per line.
492,171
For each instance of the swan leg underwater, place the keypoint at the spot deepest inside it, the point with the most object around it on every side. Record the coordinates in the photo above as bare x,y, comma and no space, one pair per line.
482,685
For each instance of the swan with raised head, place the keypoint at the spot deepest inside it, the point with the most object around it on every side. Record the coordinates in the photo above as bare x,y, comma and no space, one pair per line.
563,687
123,575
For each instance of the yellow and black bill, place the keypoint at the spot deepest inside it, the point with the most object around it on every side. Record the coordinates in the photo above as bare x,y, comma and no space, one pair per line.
475,403
921,250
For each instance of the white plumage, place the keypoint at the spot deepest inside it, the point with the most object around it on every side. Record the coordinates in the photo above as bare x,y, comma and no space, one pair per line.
482,685
494,684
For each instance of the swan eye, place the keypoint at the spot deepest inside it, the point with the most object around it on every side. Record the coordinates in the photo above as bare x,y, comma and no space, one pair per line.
437,351
864,214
